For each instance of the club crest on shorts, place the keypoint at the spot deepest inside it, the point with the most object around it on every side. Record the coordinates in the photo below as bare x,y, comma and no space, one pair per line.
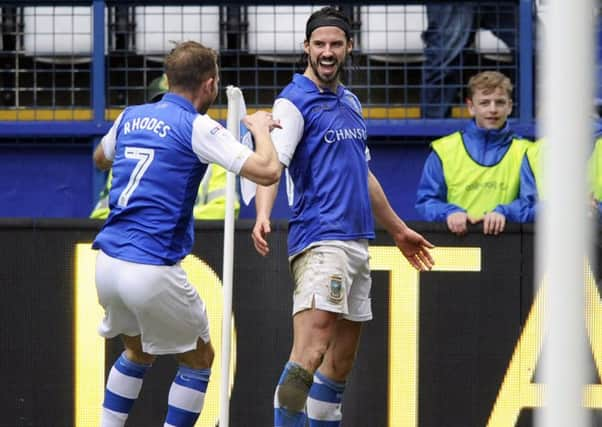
336,289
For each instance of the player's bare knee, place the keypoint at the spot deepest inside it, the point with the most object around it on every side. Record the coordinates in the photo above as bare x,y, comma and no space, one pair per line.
139,357
293,391
315,356
208,356
310,355
134,352
199,358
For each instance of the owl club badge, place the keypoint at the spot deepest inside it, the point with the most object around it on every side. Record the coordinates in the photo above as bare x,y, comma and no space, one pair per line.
336,289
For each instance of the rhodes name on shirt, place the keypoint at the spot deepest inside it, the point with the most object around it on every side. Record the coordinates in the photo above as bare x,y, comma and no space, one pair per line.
148,124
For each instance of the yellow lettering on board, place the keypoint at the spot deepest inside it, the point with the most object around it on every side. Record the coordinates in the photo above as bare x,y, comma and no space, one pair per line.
404,283
517,390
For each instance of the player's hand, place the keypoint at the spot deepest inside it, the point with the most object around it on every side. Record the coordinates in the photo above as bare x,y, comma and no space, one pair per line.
259,235
261,121
493,222
416,249
456,222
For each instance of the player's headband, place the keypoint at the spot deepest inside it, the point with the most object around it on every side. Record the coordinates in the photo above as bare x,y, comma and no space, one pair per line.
327,21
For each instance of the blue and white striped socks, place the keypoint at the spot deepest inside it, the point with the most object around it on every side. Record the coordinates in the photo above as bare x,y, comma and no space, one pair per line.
122,390
186,397
185,401
324,402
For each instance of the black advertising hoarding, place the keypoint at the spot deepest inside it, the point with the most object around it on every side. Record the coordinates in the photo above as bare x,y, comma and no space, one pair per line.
457,346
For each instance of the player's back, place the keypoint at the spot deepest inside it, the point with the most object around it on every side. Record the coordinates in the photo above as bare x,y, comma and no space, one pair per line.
156,174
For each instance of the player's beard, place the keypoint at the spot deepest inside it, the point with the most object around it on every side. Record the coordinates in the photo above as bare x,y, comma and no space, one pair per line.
326,80
209,102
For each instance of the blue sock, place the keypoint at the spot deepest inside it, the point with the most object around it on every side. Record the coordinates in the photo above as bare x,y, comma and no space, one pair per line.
324,402
186,396
300,380
122,390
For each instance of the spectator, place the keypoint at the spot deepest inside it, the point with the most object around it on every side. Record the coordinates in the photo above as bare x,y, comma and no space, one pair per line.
531,182
101,209
451,30
532,177
473,175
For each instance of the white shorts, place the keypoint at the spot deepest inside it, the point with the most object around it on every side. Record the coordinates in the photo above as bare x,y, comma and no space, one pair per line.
334,276
154,301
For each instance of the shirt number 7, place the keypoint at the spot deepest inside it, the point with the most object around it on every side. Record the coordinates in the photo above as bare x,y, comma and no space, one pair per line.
144,156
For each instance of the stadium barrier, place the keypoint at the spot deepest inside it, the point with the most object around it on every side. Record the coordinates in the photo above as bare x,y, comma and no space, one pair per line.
455,347
69,68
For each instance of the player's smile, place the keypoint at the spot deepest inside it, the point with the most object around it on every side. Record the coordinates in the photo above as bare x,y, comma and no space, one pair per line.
328,65
327,69
327,50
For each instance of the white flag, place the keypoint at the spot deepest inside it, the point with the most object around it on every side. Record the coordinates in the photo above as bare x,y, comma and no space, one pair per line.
247,188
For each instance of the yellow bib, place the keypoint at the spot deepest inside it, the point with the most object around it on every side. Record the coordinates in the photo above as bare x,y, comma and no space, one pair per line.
476,188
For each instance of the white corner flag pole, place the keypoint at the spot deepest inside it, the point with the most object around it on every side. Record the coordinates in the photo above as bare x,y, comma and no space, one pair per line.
233,124
562,227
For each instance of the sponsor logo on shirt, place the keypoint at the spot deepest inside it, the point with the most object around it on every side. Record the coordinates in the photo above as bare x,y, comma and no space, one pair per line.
216,129
335,135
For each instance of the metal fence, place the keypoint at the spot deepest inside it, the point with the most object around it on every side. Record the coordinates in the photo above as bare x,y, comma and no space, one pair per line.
52,54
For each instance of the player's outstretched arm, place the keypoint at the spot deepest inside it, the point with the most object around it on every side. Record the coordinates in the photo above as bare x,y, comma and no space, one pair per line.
263,166
411,244
264,202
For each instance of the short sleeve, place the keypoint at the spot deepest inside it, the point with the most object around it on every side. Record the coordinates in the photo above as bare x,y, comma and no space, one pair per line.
109,141
286,139
212,143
